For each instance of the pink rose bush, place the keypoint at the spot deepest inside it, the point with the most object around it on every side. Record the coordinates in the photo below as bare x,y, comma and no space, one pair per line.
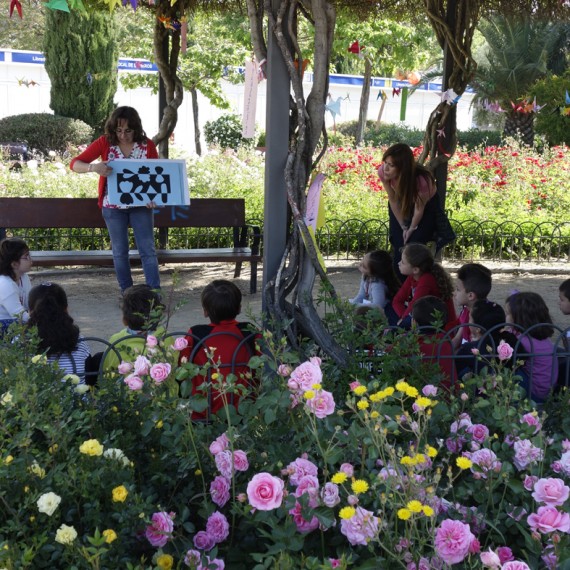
549,519
452,541
159,532
265,492
361,528
504,351
550,491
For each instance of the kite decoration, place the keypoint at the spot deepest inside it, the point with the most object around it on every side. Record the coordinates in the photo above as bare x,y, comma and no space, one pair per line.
526,107
26,82
89,78
565,111
492,106
15,4
440,133
134,4
396,91
567,98
450,97
58,5
357,49
333,107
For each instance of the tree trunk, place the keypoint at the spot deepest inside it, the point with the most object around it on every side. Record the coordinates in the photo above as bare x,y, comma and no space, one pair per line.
520,125
364,101
197,132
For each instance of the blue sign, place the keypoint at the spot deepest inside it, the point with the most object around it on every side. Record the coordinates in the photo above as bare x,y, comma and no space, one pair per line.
28,57
136,65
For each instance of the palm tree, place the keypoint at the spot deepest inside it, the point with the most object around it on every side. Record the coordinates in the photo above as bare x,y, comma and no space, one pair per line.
517,55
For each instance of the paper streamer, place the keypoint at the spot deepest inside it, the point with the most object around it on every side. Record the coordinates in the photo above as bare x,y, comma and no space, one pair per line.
314,215
403,103
250,100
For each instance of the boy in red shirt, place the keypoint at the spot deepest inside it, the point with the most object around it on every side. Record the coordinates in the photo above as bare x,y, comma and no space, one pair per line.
225,346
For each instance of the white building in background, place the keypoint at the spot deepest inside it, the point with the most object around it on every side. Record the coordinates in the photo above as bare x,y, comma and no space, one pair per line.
25,88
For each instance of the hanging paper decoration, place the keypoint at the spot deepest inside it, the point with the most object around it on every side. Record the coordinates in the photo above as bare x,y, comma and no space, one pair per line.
250,100
450,97
60,5
260,70
403,103
15,4
492,106
526,107
440,133
384,97
26,82
134,4
357,49
184,35
396,91
89,78
305,63
414,77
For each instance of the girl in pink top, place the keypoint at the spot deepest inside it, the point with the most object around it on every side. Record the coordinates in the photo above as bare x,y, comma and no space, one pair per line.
423,277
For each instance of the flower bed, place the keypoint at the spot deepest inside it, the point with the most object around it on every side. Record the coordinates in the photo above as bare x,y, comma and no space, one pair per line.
320,467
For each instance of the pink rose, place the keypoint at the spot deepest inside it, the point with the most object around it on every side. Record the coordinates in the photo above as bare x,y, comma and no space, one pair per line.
504,351
160,530
565,463
475,351
429,390
265,492
335,562
452,541
322,405
301,523
329,495
159,372
315,360
151,341
240,460
549,519
360,528
490,560
220,490
224,463
347,469
218,527
133,382
526,454
515,565
309,485
284,370
532,421
505,554
142,365
193,559
125,367
551,492
180,343
203,541
529,482
479,432
305,375
354,385
566,445
221,443
299,468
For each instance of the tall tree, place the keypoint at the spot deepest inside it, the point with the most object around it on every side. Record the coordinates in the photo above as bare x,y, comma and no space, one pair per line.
81,61
518,51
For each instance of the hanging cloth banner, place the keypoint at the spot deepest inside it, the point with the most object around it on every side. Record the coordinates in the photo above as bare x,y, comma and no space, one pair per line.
250,100
403,103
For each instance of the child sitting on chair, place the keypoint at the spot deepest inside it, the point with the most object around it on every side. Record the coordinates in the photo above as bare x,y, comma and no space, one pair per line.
225,344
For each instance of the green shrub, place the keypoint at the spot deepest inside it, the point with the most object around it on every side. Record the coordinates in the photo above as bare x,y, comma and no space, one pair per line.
44,132
225,132
550,122
474,138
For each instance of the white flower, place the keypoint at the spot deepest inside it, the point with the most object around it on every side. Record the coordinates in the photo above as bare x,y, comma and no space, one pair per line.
73,378
65,534
81,389
6,398
48,502
118,455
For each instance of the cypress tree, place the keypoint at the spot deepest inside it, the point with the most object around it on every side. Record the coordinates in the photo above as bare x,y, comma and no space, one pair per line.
81,61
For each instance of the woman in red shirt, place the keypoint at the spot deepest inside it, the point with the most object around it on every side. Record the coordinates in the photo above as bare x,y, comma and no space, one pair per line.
124,138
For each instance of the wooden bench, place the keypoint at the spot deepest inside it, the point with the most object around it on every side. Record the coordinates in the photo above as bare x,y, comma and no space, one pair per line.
53,213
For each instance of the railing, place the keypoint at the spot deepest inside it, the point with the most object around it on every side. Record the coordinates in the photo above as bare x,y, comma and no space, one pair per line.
349,240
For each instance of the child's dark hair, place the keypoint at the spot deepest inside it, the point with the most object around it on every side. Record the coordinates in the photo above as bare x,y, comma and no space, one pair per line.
429,311
221,299
48,312
528,309
381,267
11,250
488,315
565,288
141,308
420,256
476,278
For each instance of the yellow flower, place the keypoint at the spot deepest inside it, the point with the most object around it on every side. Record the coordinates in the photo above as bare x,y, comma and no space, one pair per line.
339,478
402,386
374,415
414,506
362,404
428,511
420,458
91,447
308,395
404,514
316,387
110,535
411,392
73,378
120,494
6,398
463,462
376,397
159,424
431,451
360,390
215,376
423,402
53,448
39,359
198,472
32,518
8,460
165,562
347,512
359,486
407,460
388,391
37,470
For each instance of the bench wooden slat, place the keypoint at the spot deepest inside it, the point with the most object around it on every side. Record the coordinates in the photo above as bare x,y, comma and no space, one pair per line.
85,213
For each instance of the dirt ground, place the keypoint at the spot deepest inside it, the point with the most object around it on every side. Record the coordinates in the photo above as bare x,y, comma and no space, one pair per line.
94,300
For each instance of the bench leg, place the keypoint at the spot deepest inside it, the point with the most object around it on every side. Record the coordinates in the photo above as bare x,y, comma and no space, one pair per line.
237,270
253,278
